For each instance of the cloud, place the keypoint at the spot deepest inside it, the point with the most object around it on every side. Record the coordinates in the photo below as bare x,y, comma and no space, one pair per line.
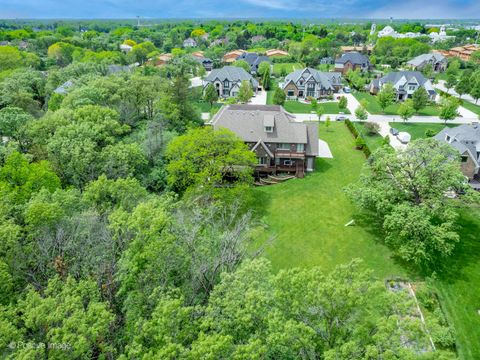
239,8
425,9
271,4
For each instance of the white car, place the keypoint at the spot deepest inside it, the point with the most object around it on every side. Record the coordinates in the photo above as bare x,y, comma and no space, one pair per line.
404,137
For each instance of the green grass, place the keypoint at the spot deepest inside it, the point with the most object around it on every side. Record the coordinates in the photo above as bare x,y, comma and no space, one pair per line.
472,107
306,216
289,67
205,107
373,106
373,141
301,108
458,286
417,130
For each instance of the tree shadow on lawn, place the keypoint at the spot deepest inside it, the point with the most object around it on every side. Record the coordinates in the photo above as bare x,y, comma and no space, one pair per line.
368,222
466,252
449,269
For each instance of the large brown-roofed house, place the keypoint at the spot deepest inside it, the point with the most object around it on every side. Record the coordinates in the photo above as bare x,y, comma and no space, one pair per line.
280,144
232,56
310,82
352,61
227,80
276,52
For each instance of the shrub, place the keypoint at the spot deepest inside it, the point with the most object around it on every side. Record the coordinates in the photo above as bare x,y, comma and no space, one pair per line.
372,128
430,133
359,143
352,128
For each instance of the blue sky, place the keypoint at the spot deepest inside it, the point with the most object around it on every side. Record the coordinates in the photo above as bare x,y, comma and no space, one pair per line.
418,9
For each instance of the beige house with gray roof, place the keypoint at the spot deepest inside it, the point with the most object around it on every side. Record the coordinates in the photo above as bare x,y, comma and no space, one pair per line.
280,144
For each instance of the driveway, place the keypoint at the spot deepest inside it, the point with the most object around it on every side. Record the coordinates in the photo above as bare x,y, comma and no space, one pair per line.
352,104
259,99
394,142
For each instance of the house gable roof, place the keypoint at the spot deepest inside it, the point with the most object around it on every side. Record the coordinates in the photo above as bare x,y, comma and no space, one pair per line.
231,73
464,138
425,58
354,57
325,79
247,121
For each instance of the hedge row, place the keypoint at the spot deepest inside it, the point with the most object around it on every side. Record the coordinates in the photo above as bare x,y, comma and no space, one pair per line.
364,147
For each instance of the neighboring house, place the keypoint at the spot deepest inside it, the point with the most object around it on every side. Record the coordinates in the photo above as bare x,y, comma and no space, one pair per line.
207,63
254,60
258,38
464,52
219,42
276,52
441,36
228,79
161,59
281,144
327,61
231,56
465,139
405,83
189,42
4,43
438,61
126,48
366,49
115,69
198,54
310,82
352,61
63,89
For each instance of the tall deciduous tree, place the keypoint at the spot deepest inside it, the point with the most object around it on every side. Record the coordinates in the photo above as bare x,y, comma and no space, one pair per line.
405,191
449,109
419,99
386,96
211,94
406,110
279,96
206,157
245,92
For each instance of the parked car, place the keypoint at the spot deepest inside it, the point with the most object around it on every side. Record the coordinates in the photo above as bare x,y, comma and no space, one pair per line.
404,137
394,131
341,117
347,90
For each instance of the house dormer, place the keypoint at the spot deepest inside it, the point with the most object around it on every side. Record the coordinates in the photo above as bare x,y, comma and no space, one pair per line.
268,123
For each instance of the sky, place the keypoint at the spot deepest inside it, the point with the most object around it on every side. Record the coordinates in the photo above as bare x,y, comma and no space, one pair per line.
398,9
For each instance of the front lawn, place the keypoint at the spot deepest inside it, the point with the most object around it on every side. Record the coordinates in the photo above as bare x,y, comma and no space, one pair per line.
307,217
472,107
417,130
302,108
205,107
372,141
373,106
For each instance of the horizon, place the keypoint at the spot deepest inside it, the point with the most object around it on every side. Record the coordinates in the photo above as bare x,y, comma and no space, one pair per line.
240,9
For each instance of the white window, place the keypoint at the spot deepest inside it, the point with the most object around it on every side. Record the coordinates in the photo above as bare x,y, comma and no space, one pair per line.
262,160
300,147
288,162
290,93
268,129
226,84
411,87
447,138
283,146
